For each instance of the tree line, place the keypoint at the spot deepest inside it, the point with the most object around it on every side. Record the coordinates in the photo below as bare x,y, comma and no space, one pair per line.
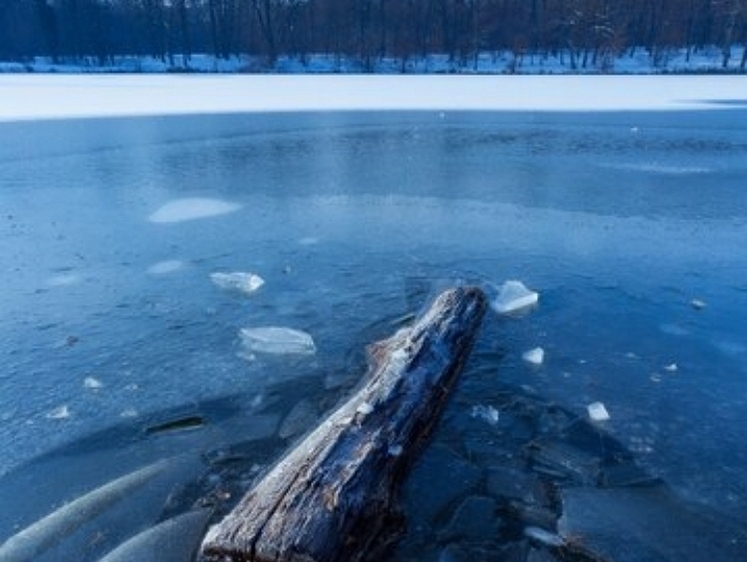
590,32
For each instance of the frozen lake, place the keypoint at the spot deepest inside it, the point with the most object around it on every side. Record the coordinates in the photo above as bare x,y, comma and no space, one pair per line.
630,225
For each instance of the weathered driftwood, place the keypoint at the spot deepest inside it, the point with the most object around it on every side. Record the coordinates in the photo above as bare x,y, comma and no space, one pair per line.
333,498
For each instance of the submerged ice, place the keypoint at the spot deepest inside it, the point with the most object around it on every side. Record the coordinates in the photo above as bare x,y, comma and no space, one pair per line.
277,340
191,208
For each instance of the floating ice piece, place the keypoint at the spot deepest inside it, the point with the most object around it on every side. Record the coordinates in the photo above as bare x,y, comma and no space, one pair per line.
671,368
597,412
192,208
237,281
278,340
488,414
698,304
544,537
61,413
513,296
534,356
166,266
93,383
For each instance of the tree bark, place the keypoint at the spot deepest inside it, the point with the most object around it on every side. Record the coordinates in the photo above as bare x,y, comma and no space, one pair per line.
334,497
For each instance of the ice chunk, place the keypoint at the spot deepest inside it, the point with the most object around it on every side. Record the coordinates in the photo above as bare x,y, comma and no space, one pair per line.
698,304
279,340
671,368
61,413
544,537
192,208
534,356
513,296
237,281
486,413
597,412
93,383
166,266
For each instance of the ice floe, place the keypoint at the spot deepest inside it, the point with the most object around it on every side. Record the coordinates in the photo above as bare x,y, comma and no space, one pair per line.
597,412
277,340
192,208
165,267
237,281
534,357
513,296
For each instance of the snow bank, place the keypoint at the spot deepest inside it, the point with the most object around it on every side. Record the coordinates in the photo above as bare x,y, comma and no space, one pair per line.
67,96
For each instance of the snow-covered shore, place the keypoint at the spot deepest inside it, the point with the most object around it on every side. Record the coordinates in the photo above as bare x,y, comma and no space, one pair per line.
68,96
638,61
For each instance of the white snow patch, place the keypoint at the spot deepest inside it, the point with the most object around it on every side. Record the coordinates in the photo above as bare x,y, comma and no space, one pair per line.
277,340
513,296
237,281
597,412
191,208
165,267
534,357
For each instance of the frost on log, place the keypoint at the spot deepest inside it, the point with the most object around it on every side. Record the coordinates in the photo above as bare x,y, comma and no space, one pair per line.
333,498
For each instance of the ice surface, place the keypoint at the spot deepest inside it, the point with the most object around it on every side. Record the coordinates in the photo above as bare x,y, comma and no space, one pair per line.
192,208
277,340
513,296
534,356
237,281
48,96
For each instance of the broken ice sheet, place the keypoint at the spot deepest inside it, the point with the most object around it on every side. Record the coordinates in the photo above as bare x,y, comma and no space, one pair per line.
631,524
513,297
277,340
237,281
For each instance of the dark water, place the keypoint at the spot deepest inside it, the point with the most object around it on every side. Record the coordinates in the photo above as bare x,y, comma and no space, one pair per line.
619,221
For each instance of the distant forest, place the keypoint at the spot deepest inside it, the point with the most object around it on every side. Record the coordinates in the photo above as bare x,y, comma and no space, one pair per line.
589,31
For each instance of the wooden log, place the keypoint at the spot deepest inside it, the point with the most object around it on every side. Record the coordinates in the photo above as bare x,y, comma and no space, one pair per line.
333,498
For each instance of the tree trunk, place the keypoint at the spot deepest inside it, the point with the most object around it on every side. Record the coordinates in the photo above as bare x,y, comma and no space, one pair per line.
334,497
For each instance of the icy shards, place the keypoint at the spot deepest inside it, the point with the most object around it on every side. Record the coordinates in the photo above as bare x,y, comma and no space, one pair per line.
513,297
191,208
534,357
238,281
597,412
277,340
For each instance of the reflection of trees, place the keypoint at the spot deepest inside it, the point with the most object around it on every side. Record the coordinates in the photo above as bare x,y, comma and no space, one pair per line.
589,31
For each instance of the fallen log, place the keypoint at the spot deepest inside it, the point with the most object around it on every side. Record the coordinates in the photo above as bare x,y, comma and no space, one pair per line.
333,498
